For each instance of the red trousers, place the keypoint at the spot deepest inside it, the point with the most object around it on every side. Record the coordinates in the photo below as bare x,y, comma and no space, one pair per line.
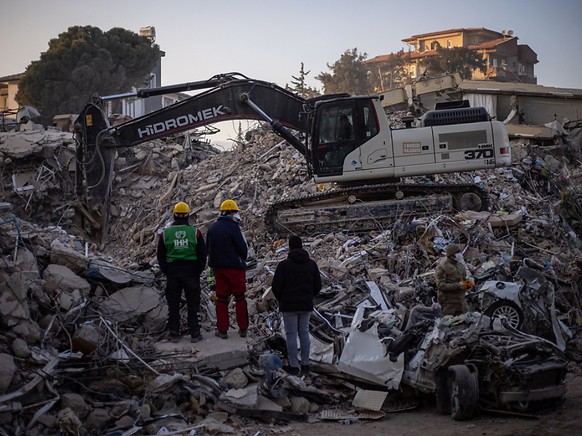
230,282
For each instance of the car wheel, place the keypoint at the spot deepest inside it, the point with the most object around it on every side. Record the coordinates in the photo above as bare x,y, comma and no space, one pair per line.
464,392
507,309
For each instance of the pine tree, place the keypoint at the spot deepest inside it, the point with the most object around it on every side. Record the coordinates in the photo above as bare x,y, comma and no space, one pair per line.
300,86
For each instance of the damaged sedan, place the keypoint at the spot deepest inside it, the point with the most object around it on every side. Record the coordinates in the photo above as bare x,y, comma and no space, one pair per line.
470,362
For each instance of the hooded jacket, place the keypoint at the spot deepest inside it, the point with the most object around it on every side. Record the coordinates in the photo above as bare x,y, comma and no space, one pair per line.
227,247
296,282
449,272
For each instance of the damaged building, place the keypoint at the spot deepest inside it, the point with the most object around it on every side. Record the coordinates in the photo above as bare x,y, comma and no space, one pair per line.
83,313
83,324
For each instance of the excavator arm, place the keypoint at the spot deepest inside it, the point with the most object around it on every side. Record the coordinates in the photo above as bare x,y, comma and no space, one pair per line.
230,97
347,141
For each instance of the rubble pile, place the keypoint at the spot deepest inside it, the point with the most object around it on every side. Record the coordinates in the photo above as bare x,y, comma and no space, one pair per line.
82,348
37,180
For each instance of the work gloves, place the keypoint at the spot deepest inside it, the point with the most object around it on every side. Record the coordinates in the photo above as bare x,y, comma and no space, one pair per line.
466,284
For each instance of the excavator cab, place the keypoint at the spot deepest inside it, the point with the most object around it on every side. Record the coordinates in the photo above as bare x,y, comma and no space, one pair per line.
341,127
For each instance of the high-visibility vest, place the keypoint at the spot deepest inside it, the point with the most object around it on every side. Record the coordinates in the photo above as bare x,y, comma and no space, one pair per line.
180,243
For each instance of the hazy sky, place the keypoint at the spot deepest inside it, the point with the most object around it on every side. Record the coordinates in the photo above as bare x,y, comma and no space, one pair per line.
268,39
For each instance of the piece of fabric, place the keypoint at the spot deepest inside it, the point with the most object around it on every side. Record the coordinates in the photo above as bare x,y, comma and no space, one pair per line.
296,282
297,325
227,247
230,281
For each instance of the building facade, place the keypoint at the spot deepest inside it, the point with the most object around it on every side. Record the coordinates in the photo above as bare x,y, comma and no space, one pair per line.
507,61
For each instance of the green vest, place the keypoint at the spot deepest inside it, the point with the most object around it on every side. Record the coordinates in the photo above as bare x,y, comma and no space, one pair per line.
180,243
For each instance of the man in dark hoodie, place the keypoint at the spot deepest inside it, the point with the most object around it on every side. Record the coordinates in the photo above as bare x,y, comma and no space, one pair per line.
181,255
227,256
296,282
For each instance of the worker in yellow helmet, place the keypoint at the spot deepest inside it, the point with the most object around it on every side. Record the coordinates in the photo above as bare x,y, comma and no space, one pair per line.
227,255
182,256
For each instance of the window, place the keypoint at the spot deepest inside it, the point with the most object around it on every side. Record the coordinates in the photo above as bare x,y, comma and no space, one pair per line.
369,121
449,43
341,128
335,137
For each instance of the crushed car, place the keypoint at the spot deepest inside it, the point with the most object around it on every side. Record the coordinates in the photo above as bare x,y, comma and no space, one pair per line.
531,299
469,363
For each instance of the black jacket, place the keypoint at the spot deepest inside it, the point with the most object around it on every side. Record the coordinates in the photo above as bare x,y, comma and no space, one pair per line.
180,267
227,247
296,282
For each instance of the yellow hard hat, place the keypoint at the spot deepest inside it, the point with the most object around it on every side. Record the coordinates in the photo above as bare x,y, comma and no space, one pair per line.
228,205
181,207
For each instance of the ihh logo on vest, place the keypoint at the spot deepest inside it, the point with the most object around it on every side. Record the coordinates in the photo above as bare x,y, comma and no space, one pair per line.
181,241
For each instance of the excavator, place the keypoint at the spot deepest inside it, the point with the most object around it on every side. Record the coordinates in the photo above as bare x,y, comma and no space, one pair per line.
345,140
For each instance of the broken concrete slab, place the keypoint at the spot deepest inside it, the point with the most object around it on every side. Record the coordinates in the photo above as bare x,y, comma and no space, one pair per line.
59,278
242,398
137,302
212,352
101,269
18,146
62,254
13,304
7,371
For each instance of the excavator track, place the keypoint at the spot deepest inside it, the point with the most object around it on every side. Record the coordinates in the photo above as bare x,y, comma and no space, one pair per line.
372,207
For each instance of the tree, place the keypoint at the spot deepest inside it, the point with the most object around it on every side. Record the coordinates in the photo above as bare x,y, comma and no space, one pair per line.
84,60
460,60
300,87
349,75
390,73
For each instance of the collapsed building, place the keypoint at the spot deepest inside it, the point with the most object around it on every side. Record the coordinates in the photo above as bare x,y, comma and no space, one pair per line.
82,322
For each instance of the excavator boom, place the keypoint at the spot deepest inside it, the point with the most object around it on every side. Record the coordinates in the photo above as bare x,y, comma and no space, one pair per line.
229,98
347,140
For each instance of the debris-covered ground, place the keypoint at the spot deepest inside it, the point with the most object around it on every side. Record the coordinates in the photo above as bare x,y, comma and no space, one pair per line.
82,344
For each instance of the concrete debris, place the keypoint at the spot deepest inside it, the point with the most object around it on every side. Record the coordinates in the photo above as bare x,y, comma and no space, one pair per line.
83,324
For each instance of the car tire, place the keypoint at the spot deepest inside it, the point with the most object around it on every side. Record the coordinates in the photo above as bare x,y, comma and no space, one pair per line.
508,309
464,392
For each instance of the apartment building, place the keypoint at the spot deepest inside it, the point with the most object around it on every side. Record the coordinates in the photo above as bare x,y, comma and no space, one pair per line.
507,60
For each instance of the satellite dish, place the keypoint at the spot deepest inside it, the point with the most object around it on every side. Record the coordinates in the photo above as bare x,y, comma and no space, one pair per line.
510,32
